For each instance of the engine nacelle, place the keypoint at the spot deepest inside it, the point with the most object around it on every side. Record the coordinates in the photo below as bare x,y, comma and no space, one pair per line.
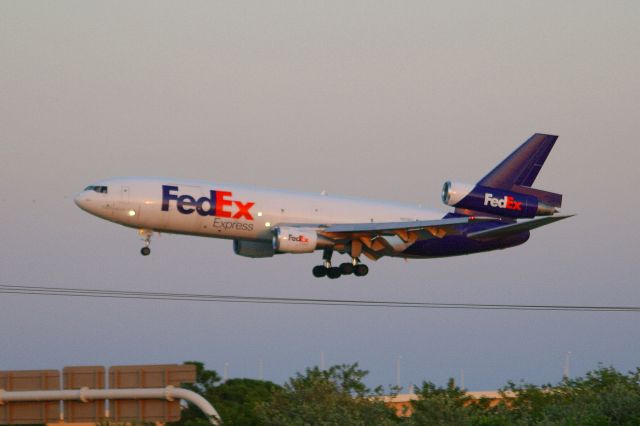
494,201
290,239
253,249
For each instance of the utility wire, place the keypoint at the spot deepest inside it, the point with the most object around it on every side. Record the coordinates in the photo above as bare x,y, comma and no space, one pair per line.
194,297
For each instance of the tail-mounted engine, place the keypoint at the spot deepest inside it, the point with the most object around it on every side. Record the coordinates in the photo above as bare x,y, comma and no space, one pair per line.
290,239
497,201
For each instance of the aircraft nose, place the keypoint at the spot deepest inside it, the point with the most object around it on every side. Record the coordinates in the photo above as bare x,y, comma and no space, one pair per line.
82,200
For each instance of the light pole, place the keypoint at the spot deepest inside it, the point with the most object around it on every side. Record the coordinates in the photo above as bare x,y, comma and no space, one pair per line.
398,373
567,361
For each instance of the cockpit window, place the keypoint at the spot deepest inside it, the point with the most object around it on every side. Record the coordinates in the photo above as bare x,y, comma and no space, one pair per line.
97,188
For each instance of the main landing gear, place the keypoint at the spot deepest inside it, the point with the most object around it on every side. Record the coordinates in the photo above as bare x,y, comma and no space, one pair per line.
146,237
326,270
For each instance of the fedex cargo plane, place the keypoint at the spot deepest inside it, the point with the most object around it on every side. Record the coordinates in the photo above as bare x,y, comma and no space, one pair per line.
496,213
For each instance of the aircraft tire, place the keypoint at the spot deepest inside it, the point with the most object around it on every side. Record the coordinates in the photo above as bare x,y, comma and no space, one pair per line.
346,268
145,251
333,273
319,271
361,270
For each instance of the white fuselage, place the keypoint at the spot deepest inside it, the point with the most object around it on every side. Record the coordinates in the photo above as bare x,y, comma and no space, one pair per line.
230,211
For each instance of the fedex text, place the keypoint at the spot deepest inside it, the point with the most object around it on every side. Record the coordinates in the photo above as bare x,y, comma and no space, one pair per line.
218,203
507,202
298,239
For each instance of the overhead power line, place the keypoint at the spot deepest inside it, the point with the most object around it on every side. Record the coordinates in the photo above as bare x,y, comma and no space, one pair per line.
194,297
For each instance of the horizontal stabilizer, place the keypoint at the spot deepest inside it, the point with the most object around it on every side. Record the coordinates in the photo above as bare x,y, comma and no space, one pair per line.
515,228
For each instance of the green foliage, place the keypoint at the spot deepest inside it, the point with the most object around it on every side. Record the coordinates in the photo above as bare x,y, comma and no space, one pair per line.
336,396
236,400
441,406
603,397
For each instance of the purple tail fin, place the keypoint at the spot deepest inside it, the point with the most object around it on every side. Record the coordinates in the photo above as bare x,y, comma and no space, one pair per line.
523,165
519,170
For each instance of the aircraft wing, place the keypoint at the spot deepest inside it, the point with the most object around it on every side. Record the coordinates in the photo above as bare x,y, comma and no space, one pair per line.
379,239
391,227
514,228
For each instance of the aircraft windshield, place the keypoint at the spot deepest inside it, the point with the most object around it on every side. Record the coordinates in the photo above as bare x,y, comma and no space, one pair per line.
97,188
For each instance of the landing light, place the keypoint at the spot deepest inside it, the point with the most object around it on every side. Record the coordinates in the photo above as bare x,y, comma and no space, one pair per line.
132,212
267,224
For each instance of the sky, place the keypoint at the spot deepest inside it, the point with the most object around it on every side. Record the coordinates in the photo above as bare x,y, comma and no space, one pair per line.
378,99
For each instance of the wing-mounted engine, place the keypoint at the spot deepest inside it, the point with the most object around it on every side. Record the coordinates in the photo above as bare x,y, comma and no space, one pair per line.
499,202
291,239
253,249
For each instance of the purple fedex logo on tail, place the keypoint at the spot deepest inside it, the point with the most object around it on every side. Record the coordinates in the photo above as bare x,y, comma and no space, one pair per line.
501,202
219,203
507,202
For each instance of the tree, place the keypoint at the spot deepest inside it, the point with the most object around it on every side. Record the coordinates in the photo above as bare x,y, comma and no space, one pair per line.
603,397
235,400
336,396
441,406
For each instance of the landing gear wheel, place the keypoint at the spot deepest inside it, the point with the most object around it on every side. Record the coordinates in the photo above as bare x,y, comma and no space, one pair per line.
333,273
146,237
346,268
319,271
360,270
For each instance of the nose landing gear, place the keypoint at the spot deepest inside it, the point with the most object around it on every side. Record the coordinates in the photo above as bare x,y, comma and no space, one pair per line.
146,237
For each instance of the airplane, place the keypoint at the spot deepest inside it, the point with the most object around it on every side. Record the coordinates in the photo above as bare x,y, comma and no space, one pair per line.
265,222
